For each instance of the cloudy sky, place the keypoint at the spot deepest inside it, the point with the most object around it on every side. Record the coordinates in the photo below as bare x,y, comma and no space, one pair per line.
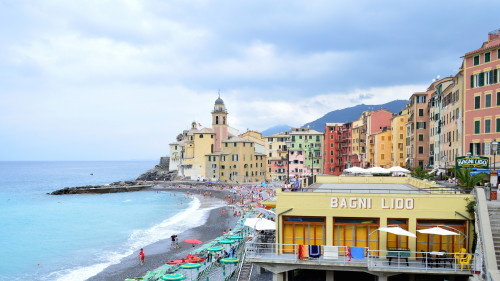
118,80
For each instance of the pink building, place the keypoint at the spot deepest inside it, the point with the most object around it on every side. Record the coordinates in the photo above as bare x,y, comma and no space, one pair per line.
482,97
297,160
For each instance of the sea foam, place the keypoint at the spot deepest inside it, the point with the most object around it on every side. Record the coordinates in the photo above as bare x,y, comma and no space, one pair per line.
192,217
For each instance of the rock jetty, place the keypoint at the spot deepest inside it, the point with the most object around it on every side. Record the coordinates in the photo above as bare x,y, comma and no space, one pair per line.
159,172
122,186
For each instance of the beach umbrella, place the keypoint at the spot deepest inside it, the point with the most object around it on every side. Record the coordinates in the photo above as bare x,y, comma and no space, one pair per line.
226,241
228,261
192,241
398,169
215,249
355,170
260,224
437,230
396,230
378,170
191,266
174,276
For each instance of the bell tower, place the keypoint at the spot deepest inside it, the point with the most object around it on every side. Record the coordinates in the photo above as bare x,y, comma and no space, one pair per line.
219,123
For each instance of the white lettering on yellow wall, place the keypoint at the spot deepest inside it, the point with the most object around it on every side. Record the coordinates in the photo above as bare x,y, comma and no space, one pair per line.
366,203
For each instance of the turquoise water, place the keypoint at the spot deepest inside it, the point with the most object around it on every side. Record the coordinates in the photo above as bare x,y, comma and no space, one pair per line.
73,237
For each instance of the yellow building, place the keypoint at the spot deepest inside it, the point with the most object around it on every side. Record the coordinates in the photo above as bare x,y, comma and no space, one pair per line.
383,149
359,139
347,212
398,131
237,162
206,153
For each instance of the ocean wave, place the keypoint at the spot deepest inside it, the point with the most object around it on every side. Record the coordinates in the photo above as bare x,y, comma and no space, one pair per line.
192,217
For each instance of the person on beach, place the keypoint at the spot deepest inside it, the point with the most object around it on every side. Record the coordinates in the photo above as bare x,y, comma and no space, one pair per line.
172,244
176,241
141,254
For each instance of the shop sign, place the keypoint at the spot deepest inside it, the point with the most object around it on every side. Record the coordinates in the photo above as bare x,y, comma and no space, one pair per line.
473,162
366,203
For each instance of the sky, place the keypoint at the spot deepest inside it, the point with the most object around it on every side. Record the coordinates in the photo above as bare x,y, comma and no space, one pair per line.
119,80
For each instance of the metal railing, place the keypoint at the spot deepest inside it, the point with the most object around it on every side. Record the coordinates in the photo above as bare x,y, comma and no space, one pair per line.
403,260
431,190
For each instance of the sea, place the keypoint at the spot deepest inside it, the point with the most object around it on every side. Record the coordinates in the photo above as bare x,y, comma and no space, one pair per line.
74,237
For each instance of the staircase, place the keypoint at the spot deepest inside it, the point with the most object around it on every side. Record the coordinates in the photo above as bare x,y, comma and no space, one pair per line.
245,270
494,213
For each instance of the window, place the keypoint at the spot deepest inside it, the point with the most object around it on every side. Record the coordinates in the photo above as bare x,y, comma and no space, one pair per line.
487,126
400,136
420,150
226,144
421,137
487,57
382,156
498,100
420,125
421,112
201,136
477,102
477,126
498,127
383,137
421,99
488,100
476,60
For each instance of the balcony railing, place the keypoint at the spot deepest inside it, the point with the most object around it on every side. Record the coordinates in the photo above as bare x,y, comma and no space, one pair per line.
400,260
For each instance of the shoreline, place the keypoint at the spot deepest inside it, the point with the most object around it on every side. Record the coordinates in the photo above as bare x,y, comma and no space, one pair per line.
160,252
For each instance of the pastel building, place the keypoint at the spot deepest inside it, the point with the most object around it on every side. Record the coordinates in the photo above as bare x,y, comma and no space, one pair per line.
376,122
482,97
437,120
398,134
309,144
277,156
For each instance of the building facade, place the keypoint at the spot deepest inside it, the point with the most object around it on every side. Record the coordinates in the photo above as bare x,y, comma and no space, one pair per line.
398,133
309,144
482,97
277,156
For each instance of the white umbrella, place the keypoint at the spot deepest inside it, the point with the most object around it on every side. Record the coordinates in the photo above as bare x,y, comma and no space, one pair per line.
437,230
397,169
355,170
396,230
260,224
378,170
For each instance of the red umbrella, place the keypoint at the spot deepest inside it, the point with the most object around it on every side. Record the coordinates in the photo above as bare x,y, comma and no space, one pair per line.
193,241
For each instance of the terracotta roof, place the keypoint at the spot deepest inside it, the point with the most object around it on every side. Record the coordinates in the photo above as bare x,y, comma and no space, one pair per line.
487,46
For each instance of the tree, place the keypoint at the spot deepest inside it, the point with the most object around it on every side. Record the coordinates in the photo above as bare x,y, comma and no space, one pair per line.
420,173
466,179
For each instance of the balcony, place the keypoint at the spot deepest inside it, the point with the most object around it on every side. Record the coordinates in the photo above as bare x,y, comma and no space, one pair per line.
399,261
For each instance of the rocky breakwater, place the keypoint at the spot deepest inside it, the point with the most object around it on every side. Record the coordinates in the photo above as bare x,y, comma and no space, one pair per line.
160,172
122,186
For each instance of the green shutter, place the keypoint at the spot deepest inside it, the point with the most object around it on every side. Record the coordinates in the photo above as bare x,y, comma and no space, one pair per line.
487,57
477,127
481,79
495,76
472,81
498,125
477,102
498,98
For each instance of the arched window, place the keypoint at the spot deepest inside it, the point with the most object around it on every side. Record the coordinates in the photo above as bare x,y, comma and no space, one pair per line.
216,119
224,120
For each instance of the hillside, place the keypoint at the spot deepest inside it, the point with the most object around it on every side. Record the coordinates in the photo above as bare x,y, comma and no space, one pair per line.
351,114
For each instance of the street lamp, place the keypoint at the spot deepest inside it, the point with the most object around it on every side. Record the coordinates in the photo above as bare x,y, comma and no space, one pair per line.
494,146
288,144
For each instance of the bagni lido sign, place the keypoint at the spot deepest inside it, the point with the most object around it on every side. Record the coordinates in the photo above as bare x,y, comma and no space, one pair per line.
366,203
473,162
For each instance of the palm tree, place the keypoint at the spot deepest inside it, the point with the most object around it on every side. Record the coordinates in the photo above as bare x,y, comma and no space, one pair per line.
420,173
466,179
